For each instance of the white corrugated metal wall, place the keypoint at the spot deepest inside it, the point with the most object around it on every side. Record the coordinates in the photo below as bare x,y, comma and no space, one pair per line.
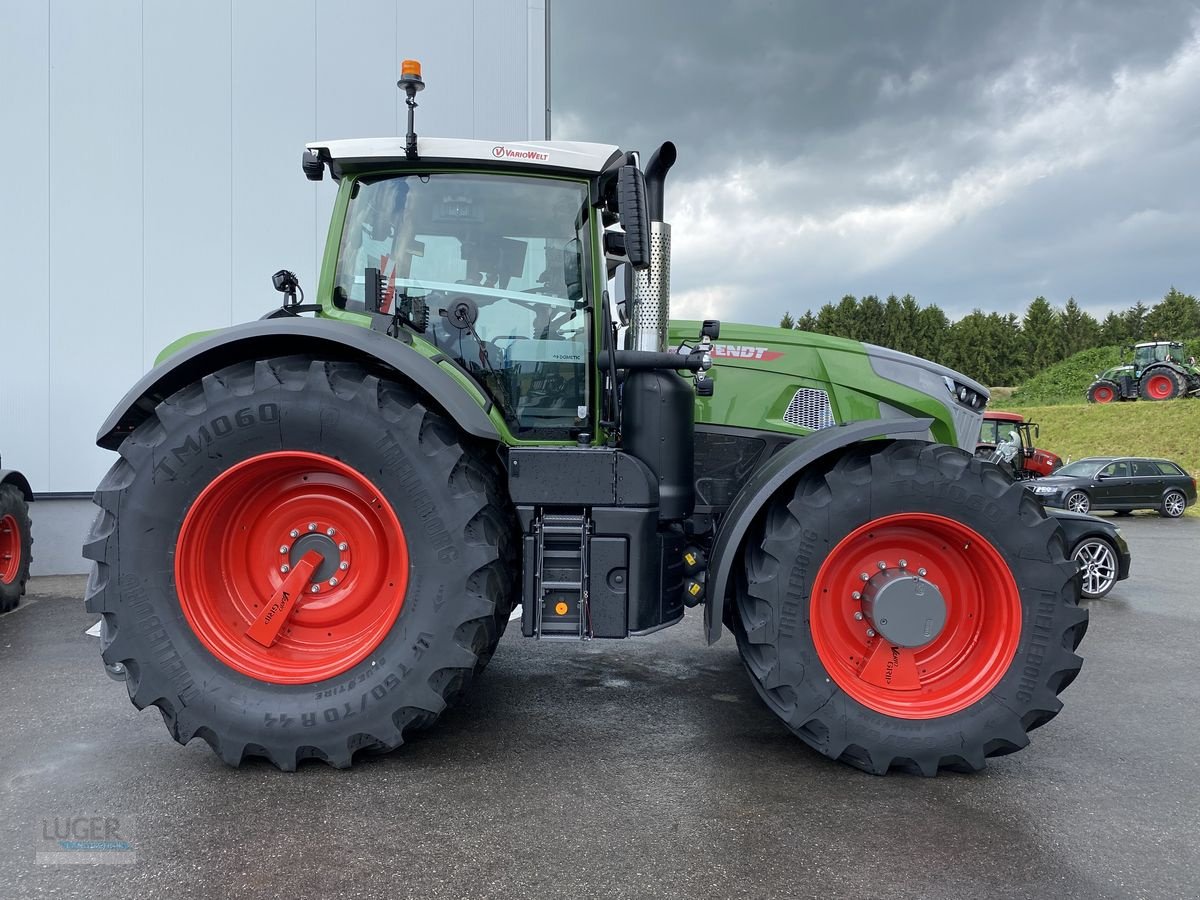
152,176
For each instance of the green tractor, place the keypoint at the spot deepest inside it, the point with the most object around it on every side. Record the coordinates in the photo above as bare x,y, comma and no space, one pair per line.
1160,370
320,525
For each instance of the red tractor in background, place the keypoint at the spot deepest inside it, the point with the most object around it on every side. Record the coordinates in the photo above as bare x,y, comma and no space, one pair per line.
1008,438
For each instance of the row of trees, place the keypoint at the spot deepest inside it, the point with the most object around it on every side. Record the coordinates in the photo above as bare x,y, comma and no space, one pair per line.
999,348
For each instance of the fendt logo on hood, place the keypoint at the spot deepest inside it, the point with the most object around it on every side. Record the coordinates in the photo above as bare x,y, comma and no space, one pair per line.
502,152
740,351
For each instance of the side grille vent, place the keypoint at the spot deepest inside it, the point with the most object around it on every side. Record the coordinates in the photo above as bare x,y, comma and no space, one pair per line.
810,409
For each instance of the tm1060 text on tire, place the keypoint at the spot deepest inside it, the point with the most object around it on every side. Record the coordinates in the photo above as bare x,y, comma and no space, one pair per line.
263,468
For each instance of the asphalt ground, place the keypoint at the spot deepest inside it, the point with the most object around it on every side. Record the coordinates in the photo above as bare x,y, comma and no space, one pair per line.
644,768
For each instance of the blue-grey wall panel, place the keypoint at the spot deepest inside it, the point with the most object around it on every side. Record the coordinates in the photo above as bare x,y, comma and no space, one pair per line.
536,86
444,47
274,115
160,186
187,170
95,280
24,241
357,68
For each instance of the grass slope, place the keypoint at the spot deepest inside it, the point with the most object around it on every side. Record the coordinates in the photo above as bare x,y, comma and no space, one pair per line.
1170,429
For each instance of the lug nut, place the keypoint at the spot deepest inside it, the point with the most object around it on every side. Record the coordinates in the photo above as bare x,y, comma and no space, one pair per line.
294,533
283,548
858,616
284,569
343,546
312,526
882,565
904,563
921,572
864,576
870,632
333,581
331,531
857,595
316,589
343,565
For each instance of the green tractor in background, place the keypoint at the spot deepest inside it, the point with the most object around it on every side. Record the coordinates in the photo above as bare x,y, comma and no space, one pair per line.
1160,371
318,526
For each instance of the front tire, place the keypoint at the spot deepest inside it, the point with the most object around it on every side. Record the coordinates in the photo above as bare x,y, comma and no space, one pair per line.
1173,505
16,545
1103,392
1078,501
878,701
237,479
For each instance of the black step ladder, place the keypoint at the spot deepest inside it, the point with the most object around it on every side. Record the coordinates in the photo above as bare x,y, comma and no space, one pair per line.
562,606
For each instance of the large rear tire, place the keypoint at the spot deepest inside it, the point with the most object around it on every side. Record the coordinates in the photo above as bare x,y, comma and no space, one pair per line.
921,521
1162,384
213,509
16,545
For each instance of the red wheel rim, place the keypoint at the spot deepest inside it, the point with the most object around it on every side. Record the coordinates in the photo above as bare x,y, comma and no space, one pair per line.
1159,387
255,518
10,549
1103,395
964,661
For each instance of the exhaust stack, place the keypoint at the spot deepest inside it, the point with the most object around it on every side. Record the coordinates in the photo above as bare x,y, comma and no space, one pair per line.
650,301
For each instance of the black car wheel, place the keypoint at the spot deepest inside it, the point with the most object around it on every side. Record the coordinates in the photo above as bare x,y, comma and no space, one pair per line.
1078,501
1173,505
1097,566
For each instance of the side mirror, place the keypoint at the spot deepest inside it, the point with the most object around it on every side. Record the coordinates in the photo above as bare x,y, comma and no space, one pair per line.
1037,431
631,202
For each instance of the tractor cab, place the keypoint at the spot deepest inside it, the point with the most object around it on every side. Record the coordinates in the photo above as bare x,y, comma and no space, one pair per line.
1150,353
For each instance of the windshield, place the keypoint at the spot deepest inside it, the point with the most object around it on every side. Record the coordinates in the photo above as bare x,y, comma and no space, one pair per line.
1086,468
500,263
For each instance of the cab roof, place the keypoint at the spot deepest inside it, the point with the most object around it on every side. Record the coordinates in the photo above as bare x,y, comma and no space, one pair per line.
358,154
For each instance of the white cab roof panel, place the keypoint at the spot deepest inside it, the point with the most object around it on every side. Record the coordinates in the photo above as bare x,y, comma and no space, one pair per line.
584,157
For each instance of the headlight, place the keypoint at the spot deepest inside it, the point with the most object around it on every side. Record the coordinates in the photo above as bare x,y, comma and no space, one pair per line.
964,394
1044,489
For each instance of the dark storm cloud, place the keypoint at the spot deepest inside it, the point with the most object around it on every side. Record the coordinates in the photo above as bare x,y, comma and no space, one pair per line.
974,154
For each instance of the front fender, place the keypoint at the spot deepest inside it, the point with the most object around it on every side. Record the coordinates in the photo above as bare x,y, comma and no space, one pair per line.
763,484
320,338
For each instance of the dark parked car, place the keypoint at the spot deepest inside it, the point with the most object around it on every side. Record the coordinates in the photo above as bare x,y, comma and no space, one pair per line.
1098,548
1122,483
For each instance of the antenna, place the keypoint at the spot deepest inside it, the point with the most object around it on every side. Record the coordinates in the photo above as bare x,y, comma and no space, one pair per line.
410,81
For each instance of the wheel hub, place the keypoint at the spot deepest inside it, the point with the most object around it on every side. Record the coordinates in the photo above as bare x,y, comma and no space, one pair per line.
326,546
905,608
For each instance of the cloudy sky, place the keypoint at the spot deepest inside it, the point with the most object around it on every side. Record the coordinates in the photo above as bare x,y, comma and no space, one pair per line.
974,154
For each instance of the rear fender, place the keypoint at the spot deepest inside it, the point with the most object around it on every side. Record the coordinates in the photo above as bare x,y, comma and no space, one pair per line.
320,338
19,481
763,484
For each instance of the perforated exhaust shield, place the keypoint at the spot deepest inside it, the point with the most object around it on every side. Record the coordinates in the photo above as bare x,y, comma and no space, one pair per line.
651,307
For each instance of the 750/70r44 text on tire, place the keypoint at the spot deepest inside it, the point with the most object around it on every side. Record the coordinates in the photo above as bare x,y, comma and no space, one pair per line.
909,607
317,495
